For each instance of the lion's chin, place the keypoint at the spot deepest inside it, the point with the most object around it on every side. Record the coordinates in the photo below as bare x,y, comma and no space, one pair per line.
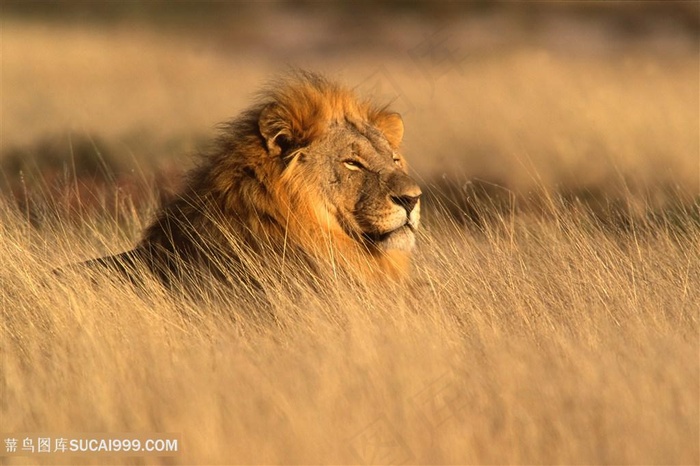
401,239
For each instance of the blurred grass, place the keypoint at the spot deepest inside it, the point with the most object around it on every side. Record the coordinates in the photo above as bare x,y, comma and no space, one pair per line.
634,19
561,104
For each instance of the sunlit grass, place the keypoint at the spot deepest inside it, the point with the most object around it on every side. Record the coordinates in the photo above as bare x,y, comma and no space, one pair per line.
532,340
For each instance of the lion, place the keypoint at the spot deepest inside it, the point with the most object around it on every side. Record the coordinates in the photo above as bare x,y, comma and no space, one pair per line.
310,172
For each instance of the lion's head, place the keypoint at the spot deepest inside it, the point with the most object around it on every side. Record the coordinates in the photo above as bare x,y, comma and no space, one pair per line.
310,167
340,159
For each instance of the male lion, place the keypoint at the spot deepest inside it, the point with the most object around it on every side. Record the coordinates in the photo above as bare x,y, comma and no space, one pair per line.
309,173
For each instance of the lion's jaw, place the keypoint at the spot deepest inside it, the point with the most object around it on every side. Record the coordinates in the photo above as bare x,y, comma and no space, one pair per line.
388,254
401,237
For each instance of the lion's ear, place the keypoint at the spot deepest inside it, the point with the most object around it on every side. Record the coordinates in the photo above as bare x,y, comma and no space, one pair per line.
276,130
391,125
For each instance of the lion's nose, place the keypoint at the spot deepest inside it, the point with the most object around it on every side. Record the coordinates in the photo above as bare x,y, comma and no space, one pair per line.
408,200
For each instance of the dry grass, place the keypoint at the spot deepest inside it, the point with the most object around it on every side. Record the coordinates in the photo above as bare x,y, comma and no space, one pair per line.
533,341
533,336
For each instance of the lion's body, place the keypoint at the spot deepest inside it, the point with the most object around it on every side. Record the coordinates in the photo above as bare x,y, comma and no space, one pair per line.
309,172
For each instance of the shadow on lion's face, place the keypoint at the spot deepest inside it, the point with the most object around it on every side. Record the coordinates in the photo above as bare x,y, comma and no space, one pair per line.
364,184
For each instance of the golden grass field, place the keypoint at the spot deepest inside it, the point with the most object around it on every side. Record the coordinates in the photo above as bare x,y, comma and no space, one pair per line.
553,314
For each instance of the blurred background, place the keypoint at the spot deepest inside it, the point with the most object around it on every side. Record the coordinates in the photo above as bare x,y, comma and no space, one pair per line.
591,103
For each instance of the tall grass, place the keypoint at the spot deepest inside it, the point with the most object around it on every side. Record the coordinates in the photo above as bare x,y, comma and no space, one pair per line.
534,339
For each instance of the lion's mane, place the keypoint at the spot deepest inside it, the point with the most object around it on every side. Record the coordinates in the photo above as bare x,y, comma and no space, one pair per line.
247,196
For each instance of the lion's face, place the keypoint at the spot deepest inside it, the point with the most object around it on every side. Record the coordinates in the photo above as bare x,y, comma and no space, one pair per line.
364,184
340,172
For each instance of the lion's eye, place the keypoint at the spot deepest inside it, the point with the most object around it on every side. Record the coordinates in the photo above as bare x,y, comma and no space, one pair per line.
352,164
397,161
